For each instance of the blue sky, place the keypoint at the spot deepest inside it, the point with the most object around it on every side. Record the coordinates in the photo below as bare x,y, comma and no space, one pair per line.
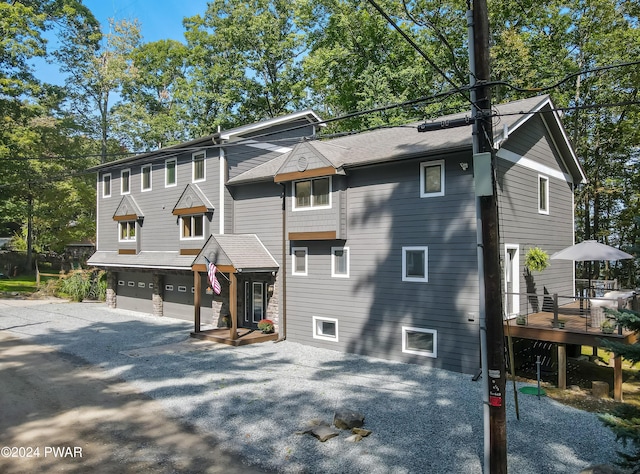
160,19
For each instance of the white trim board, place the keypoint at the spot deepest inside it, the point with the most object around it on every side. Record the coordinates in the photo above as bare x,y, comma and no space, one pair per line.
533,165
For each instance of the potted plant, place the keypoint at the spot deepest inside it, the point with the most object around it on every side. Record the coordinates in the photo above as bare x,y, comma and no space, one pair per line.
521,320
226,321
559,323
608,326
266,326
536,259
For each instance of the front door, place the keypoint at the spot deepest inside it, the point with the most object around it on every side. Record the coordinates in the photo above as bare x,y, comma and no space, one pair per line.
255,303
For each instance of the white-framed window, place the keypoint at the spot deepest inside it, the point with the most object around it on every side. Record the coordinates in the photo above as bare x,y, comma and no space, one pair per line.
198,167
182,289
432,178
420,341
168,287
543,194
125,181
299,257
192,227
131,283
106,185
170,172
415,264
120,282
141,284
312,194
145,182
340,262
325,328
127,231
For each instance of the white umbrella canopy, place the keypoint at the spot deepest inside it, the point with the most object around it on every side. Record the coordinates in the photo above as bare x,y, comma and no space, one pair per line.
590,250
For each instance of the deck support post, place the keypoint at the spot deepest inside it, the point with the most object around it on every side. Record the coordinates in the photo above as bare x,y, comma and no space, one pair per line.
196,301
562,366
617,378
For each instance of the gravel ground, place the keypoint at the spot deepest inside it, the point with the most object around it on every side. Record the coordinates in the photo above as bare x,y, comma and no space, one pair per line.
254,398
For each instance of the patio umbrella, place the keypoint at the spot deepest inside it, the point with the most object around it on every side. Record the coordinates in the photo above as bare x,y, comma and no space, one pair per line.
590,250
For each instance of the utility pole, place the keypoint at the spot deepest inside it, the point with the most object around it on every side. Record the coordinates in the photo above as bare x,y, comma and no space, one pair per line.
485,163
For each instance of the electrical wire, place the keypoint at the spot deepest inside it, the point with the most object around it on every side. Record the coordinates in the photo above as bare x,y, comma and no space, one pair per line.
418,49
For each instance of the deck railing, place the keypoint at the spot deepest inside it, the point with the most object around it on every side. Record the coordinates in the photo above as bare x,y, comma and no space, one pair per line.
573,313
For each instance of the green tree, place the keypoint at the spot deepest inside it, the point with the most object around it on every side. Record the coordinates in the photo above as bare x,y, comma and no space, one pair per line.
151,114
97,65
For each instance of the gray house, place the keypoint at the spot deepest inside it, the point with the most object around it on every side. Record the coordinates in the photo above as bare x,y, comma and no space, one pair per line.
373,235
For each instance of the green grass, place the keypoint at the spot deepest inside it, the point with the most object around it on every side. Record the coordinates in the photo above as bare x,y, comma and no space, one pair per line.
25,284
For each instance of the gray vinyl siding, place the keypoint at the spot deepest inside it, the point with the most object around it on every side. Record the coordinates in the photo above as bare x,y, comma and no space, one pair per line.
534,142
160,230
522,224
258,210
385,214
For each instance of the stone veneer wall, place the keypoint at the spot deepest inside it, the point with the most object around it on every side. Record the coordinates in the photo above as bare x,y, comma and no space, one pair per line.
112,281
158,294
220,303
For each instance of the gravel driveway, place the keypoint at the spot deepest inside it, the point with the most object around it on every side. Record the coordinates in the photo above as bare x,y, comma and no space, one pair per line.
254,398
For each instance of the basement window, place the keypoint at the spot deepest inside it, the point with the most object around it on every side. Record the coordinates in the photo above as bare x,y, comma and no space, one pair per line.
325,329
420,341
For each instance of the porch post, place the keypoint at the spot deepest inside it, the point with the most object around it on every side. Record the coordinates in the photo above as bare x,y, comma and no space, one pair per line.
233,305
196,300
617,378
562,366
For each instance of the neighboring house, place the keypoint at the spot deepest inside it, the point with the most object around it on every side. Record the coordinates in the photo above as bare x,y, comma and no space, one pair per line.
375,250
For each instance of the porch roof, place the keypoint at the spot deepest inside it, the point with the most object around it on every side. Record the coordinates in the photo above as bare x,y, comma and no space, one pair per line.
159,260
244,252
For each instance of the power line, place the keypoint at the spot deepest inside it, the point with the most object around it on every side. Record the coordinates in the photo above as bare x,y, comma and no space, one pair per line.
418,49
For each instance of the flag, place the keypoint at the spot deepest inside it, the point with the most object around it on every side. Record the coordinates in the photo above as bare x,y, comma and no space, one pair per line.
211,273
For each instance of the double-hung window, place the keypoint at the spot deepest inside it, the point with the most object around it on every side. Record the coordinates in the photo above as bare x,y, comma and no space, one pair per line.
312,193
170,168
543,194
415,264
192,227
145,183
340,262
198,167
299,261
127,231
106,185
125,181
432,178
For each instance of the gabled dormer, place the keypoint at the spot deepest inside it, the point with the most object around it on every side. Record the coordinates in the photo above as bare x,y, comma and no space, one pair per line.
317,209
129,217
194,212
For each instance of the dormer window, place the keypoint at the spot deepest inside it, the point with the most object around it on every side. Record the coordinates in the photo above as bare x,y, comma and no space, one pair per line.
192,227
127,231
312,193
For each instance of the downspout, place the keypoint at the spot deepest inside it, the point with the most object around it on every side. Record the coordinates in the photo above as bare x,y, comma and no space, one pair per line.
283,321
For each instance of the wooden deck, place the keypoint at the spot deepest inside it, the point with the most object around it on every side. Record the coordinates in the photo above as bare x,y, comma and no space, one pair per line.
244,337
578,328
581,327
